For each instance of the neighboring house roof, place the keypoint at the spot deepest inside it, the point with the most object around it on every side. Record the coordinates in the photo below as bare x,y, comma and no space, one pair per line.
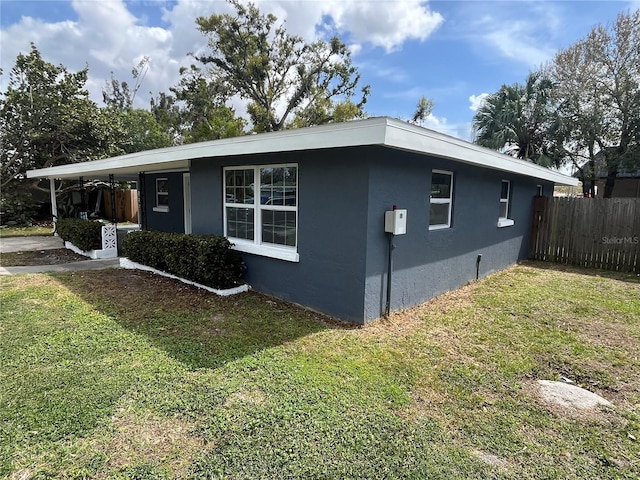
625,167
382,131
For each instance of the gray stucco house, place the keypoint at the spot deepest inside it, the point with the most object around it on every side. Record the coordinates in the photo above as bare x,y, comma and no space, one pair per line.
306,208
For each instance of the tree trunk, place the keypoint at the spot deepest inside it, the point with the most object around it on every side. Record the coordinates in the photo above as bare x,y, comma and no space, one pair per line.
592,175
612,173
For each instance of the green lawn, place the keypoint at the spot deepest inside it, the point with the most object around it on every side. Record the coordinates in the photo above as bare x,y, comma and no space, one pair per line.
120,374
26,231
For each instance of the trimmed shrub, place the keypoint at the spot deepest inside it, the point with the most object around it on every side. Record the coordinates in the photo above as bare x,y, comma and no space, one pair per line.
84,234
205,259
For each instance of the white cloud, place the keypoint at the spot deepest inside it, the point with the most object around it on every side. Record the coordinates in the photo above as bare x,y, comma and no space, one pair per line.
523,32
413,93
477,101
458,130
109,38
396,75
385,24
513,44
380,23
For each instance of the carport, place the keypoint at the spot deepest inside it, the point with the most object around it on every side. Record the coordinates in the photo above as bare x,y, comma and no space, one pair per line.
124,168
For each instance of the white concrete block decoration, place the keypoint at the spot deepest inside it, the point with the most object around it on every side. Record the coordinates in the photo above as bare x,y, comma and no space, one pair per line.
109,237
109,245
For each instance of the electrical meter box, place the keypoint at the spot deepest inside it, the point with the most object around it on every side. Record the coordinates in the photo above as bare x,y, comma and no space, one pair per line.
395,221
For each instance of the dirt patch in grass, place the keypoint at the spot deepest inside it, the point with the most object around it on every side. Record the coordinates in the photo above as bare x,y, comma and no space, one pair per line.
408,321
24,474
168,442
599,332
491,459
254,397
138,293
40,257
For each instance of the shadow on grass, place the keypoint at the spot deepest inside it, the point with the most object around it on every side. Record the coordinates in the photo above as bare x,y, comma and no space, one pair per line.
196,327
594,272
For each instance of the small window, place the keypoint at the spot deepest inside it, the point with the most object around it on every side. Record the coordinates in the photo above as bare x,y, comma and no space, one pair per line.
539,190
162,195
505,198
440,200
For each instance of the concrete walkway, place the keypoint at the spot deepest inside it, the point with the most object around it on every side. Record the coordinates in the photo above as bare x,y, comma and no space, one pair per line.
23,244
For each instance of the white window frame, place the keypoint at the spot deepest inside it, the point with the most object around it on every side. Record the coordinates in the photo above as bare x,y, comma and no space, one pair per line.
539,190
505,221
256,246
442,201
158,207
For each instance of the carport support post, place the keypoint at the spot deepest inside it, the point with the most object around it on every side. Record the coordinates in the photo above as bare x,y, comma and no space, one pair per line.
54,203
83,197
112,191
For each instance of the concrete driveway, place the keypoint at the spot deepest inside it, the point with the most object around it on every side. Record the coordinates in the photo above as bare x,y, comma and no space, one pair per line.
23,244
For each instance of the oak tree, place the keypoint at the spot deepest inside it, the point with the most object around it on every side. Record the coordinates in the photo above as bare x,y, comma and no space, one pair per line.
598,96
48,119
286,81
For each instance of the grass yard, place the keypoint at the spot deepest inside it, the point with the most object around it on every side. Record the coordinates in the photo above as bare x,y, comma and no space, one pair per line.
36,230
120,374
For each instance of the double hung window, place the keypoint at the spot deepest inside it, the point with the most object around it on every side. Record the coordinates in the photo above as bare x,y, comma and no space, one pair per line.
440,200
505,199
162,195
261,209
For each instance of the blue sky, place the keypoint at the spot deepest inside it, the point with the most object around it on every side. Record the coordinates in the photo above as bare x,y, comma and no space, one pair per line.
450,51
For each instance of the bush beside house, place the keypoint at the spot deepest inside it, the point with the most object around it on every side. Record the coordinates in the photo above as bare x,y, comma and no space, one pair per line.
84,234
204,259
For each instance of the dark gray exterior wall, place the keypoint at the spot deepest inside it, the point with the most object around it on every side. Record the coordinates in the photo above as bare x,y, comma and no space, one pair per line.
430,262
332,226
173,220
342,197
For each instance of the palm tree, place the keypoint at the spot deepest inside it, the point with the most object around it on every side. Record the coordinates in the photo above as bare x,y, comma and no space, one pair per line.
515,120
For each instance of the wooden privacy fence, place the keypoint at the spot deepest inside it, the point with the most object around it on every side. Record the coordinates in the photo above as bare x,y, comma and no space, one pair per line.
589,232
126,205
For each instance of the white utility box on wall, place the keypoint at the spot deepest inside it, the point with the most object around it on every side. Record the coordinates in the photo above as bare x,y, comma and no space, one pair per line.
395,221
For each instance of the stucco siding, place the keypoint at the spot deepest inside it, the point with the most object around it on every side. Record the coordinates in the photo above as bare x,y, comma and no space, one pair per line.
332,220
430,262
342,196
206,196
173,219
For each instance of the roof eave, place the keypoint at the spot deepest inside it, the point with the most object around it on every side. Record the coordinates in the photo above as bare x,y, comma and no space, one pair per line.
382,131
409,137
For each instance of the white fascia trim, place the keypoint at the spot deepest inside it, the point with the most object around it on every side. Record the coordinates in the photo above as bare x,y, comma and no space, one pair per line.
265,251
124,165
362,132
404,136
371,131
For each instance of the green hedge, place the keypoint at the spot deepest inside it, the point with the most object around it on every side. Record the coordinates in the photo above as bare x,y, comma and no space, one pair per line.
83,234
205,259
